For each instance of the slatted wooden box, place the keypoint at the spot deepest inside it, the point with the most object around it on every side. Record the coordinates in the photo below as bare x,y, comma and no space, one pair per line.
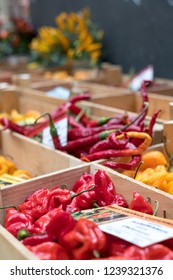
14,195
15,98
133,103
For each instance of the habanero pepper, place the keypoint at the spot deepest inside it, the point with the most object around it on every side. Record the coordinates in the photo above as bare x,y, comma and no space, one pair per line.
35,204
60,225
49,251
116,246
134,252
85,240
140,204
62,197
158,252
104,188
87,199
86,178
105,191
15,221
36,239
41,224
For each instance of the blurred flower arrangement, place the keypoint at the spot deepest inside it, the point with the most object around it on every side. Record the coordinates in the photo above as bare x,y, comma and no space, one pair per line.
15,37
75,37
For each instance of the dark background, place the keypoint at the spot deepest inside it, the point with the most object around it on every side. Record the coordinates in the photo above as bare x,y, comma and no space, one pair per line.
136,32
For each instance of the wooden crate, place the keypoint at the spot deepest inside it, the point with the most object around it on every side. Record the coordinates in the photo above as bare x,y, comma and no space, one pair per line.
133,103
24,99
30,155
14,195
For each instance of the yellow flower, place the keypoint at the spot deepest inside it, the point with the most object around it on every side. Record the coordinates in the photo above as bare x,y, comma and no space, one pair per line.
63,39
95,55
61,20
94,47
70,53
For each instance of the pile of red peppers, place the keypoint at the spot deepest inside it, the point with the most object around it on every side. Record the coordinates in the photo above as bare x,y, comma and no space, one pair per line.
44,223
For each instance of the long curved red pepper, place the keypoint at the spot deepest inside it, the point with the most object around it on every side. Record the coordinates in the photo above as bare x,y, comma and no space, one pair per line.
135,160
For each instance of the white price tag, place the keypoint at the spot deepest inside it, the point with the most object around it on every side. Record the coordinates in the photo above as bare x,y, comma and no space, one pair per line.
147,74
59,92
62,127
137,231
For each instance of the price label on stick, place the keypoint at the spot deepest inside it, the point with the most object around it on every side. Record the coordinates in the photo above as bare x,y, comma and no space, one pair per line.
147,74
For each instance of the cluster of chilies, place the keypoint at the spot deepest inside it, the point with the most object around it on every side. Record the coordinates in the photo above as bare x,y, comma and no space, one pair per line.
105,138
45,223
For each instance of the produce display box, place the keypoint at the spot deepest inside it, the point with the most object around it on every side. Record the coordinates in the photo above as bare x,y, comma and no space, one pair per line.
14,195
32,156
110,96
23,99
133,103
36,97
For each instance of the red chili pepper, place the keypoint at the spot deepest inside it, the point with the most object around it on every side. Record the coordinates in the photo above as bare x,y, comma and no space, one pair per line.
74,145
24,130
49,251
108,154
76,125
149,130
140,204
135,160
84,240
53,131
118,143
36,204
91,140
79,97
76,133
99,122
84,119
14,221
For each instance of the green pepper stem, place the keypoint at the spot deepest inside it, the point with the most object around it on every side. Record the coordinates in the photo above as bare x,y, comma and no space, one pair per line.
137,169
53,130
104,134
10,206
95,204
87,190
78,117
